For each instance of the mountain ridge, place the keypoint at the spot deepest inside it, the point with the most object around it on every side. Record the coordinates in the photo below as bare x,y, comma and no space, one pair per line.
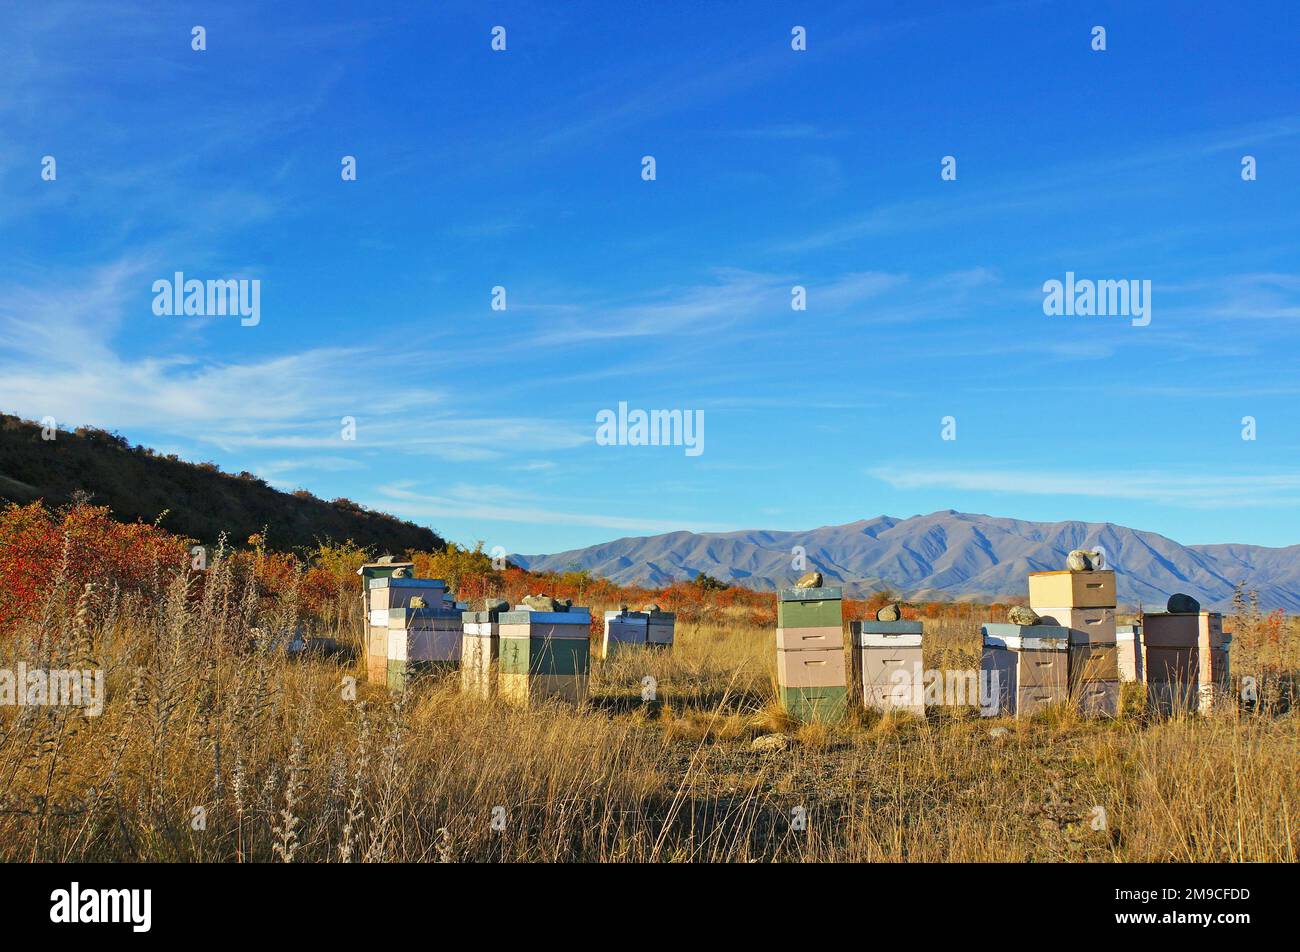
945,555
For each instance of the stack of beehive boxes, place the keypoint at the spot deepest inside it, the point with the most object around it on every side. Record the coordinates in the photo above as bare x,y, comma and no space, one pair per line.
391,591
544,655
1027,667
422,639
375,642
1128,643
888,665
479,649
1186,660
660,626
625,629
810,666
1083,602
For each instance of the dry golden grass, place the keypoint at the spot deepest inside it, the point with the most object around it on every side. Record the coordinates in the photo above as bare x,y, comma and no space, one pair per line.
209,750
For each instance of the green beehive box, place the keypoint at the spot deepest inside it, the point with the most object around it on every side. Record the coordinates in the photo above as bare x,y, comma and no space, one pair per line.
827,704
402,672
810,612
537,656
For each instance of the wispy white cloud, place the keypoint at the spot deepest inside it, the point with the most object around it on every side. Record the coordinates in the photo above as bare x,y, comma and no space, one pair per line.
498,504
1064,185
1189,490
57,358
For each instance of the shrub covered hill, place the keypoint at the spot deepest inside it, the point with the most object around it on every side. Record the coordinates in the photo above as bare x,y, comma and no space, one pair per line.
193,499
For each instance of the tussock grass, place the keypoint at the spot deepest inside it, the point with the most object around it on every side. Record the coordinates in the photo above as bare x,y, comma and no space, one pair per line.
206,722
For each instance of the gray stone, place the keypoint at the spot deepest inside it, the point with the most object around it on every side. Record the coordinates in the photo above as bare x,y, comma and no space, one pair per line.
1023,615
769,743
541,603
892,612
1083,560
1181,604
809,580
650,609
496,605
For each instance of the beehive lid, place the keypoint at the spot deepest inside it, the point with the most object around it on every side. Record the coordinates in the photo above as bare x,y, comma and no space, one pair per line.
416,617
407,583
869,626
631,618
369,569
522,616
825,593
1026,637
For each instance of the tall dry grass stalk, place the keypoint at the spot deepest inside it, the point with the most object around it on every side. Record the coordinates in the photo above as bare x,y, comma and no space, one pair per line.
208,717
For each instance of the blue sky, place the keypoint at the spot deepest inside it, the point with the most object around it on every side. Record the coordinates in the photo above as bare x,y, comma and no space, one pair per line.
775,168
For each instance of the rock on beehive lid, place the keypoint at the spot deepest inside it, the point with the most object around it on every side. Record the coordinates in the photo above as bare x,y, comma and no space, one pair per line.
1023,615
1181,604
495,605
542,603
1084,560
809,580
892,612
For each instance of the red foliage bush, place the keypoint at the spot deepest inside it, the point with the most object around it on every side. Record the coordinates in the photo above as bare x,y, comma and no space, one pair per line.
78,544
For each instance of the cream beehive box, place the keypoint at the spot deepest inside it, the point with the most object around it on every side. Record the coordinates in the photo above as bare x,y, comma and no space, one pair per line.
804,639
814,668
1087,625
386,593
887,664
1027,667
1128,645
479,649
374,570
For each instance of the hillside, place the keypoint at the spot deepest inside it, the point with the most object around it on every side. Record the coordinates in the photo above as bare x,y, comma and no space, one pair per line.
946,555
199,500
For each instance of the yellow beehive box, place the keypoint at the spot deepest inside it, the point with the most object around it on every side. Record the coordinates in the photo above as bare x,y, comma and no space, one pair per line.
1067,589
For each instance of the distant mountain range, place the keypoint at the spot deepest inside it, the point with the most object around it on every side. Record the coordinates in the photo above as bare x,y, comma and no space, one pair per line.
945,556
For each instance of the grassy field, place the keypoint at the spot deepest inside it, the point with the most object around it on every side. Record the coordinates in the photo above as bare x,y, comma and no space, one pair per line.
213,749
